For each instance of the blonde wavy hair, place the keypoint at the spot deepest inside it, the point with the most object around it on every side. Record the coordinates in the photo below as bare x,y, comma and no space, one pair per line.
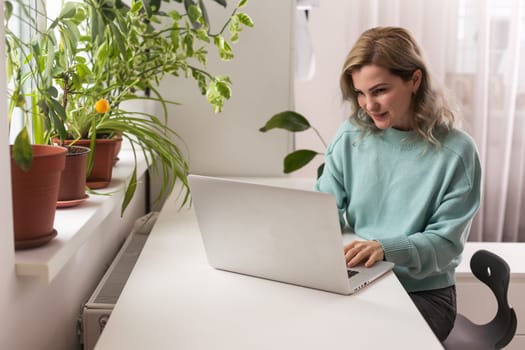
395,49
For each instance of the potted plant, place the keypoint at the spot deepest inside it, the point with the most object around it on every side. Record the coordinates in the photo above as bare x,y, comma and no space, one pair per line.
72,188
35,166
97,55
35,192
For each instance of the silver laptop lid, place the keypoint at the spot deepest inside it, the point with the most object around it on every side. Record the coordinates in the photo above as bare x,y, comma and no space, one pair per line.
277,233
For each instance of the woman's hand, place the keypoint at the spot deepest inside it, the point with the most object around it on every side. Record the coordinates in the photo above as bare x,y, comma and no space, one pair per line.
367,251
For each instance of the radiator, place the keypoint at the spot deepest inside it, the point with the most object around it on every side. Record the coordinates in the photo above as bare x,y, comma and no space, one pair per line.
99,306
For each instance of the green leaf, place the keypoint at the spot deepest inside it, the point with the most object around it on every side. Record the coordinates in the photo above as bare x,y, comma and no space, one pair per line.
70,35
242,3
130,191
234,37
245,19
224,89
8,10
35,47
22,151
205,16
68,10
194,13
97,27
37,120
175,39
320,170
188,44
298,159
235,29
225,51
80,15
214,97
147,8
174,15
201,80
82,70
102,52
287,120
52,91
57,107
49,62
202,35
219,42
119,38
155,5
136,6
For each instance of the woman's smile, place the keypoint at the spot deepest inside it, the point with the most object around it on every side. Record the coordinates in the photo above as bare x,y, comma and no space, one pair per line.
378,115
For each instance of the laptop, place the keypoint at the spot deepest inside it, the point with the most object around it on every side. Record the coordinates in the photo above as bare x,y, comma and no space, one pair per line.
276,233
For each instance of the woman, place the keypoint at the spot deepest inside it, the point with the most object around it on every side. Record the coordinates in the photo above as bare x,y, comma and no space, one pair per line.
405,180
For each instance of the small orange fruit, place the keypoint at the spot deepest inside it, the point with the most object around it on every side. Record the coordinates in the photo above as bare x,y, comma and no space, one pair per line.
102,106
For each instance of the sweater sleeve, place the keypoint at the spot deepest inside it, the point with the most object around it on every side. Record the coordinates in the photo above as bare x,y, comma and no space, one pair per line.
438,247
331,181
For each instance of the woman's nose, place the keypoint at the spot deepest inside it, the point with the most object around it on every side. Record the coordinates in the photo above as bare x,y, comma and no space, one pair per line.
371,104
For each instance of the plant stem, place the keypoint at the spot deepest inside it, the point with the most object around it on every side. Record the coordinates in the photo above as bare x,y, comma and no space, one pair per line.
225,24
320,137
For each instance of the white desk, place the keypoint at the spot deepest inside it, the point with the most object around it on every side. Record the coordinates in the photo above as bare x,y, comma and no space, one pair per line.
175,300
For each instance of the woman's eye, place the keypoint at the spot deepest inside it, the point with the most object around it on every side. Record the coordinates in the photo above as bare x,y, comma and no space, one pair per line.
378,91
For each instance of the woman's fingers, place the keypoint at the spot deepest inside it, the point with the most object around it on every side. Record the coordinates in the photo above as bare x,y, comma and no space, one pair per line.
363,251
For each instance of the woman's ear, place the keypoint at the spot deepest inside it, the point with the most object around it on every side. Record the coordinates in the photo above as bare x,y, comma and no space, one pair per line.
417,76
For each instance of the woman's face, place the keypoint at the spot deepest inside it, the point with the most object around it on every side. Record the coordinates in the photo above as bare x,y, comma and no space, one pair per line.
385,97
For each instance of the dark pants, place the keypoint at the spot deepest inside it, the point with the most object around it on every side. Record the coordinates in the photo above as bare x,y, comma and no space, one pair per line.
438,307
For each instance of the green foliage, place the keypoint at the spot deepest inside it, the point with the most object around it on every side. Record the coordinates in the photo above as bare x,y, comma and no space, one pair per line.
294,122
287,120
298,159
22,152
98,49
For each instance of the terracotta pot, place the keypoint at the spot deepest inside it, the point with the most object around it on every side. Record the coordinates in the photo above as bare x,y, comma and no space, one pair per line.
35,193
103,159
117,149
73,180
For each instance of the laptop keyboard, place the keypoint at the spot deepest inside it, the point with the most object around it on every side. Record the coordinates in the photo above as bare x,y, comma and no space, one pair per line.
351,273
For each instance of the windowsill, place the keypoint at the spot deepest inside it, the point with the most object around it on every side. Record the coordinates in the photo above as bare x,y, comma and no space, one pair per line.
75,225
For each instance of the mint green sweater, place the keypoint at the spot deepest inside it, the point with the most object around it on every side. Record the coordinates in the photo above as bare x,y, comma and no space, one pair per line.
416,200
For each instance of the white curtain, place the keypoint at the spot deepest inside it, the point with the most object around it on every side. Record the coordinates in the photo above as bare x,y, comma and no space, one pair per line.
476,49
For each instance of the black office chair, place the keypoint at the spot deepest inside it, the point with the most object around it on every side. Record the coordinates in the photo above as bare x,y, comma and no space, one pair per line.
495,273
